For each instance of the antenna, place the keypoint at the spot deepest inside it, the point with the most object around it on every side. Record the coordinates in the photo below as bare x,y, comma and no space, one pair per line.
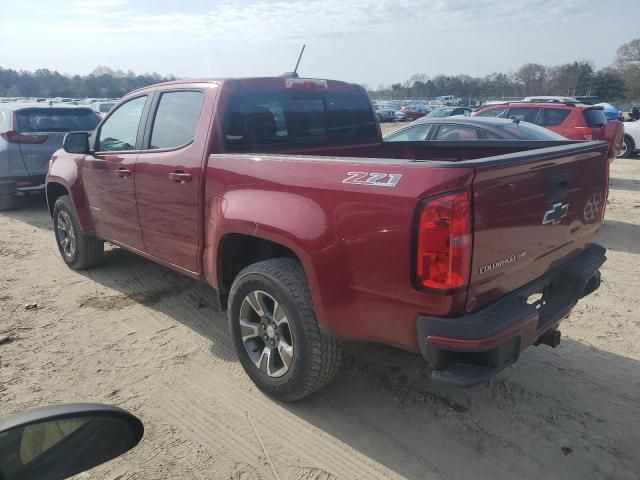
295,70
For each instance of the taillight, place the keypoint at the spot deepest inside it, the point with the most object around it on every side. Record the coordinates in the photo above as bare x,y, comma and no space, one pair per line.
12,136
305,84
443,259
585,132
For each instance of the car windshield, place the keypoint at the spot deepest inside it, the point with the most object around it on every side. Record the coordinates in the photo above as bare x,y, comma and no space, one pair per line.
279,118
527,131
56,120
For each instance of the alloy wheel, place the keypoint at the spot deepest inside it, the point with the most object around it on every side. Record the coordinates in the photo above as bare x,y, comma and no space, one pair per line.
266,333
66,235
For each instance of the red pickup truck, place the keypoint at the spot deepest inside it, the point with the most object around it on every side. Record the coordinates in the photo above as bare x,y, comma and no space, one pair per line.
465,252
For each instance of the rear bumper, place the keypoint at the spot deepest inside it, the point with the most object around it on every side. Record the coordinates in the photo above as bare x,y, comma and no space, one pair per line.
468,350
21,185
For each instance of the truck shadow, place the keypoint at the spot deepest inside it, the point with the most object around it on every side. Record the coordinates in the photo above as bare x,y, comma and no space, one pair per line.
574,409
624,184
577,405
620,236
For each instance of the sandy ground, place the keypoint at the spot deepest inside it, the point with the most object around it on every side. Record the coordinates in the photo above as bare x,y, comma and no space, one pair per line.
137,335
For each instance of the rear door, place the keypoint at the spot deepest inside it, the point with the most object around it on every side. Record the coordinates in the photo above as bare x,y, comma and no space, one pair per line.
533,212
169,174
49,126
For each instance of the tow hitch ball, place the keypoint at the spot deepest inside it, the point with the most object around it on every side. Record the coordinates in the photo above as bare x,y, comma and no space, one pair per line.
551,338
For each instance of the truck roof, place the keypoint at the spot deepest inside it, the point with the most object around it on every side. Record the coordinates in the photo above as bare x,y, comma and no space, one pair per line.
253,80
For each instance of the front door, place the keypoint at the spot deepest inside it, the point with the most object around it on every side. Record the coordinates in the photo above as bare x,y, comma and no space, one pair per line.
109,174
169,176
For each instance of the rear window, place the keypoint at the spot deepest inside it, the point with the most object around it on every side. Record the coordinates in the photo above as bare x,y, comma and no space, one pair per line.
274,119
595,117
528,131
440,113
524,113
493,112
56,119
552,117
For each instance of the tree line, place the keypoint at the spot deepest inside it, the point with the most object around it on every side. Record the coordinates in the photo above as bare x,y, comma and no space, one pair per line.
103,82
618,82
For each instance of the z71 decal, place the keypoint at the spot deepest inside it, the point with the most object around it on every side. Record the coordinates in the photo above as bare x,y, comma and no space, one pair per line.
375,179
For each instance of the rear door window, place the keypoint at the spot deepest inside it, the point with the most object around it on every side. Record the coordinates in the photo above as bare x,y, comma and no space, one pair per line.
456,132
272,119
524,114
552,117
595,117
176,119
56,120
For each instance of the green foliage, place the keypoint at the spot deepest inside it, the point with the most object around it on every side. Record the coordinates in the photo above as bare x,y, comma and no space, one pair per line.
102,83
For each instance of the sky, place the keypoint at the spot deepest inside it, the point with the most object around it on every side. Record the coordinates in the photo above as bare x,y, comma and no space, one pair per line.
371,42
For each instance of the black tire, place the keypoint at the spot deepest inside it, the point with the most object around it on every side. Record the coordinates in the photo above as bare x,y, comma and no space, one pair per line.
316,357
7,202
88,250
630,147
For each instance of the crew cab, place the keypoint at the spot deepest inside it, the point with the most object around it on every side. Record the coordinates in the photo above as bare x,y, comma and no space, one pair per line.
281,195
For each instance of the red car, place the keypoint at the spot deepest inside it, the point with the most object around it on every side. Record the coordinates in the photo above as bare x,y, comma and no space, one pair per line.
281,195
415,111
571,120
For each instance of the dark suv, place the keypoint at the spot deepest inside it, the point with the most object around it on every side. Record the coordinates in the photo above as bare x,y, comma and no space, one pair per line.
571,120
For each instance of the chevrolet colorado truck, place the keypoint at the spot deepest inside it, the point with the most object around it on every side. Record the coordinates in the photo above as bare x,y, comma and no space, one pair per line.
281,195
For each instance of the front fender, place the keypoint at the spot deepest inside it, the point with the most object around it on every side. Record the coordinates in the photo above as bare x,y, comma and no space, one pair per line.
66,170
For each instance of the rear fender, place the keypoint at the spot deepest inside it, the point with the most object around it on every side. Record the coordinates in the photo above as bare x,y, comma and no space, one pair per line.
291,220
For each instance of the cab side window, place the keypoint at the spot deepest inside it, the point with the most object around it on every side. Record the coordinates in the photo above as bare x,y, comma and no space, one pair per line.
120,131
176,119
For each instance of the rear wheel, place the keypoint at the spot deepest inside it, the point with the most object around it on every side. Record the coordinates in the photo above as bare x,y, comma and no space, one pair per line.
7,201
275,332
77,249
628,146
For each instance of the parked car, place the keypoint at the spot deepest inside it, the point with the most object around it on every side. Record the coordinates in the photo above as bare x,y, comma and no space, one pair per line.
631,143
281,194
102,108
449,112
550,99
448,100
29,134
415,111
571,120
401,116
472,128
385,114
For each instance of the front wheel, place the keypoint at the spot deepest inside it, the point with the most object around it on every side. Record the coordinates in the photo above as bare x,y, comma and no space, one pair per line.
275,332
78,250
628,146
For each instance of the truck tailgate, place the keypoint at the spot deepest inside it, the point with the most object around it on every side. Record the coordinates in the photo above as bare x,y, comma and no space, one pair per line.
532,212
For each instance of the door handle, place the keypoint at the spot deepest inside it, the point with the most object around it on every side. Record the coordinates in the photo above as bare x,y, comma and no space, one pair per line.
180,177
123,173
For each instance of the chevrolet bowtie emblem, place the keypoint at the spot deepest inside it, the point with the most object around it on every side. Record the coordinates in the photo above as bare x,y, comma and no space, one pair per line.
557,213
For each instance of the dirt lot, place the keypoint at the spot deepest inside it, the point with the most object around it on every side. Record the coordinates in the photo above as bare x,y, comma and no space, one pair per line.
134,334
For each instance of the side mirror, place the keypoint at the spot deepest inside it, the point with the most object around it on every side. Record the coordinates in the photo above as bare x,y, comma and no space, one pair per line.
76,142
59,441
